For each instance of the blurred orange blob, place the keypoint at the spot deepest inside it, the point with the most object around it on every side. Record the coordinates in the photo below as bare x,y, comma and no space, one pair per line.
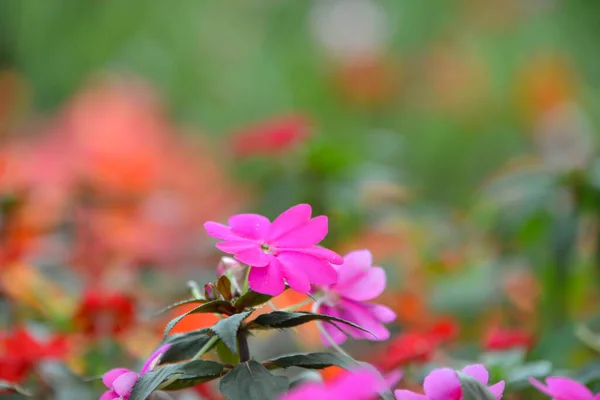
368,82
545,82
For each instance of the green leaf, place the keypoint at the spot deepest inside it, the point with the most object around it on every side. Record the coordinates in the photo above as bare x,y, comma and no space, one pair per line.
251,299
227,329
226,355
251,381
318,360
283,319
178,304
185,345
216,306
535,369
13,388
175,377
473,389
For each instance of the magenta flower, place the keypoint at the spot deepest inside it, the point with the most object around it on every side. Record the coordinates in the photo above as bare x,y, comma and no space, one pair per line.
358,281
564,389
360,385
279,252
443,384
120,381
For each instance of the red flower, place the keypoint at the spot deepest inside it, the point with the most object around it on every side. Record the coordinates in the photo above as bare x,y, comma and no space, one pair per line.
498,339
271,137
416,346
102,313
19,352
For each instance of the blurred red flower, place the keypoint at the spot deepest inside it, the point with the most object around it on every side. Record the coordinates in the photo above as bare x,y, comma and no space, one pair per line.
20,351
498,339
101,313
415,346
272,137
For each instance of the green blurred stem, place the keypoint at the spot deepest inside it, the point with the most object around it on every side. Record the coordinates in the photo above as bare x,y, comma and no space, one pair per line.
213,340
323,331
299,305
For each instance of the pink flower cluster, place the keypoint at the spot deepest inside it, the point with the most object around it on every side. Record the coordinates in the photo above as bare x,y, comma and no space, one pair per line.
120,381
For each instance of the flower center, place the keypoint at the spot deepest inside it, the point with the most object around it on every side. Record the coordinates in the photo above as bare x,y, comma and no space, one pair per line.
331,298
268,249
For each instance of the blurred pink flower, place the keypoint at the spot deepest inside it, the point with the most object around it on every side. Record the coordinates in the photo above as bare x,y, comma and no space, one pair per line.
360,385
443,384
279,252
564,389
358,281
120,381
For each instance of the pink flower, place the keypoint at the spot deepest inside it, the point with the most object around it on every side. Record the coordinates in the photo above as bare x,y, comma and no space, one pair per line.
443,384
279,252
360,385
120,381
564,389
358,281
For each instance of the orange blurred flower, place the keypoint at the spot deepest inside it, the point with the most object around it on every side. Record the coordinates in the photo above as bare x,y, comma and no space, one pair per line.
104,313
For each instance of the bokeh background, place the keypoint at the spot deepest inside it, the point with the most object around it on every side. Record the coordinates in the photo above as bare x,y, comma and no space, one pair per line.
454,139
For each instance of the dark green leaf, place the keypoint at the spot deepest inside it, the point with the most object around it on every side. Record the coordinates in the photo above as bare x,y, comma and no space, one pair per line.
227,329
179,375
282,319
224,287
252,381
180,303
473,389
216,306
311,361
185,345
251,299
13,388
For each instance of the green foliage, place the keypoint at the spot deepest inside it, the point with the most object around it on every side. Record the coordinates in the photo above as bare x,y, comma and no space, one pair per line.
251,299
311,361
227,329
282,319
176,376
13,388
251,381
185,345
473,389
215,306
179,304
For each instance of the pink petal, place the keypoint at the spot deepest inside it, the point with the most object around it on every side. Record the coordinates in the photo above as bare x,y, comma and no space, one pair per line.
308,234
597,397
316,270
408,395
358,260
568,389
250,226
109,377
109,395
295,277
267,280
154,359
365,286
254,257
124,383
236,246
360,385
321,252
382,313
442,384
289,220
393,377
219,231
312,391
540,386
361,315
497,389
478,372
335,334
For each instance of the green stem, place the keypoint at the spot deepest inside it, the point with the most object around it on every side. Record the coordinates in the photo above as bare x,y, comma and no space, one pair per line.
206,347
332,342
244,350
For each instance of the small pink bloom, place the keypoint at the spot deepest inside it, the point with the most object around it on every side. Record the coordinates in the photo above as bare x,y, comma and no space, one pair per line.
120,381
443,384
360,385
358,281
282,251
564,389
